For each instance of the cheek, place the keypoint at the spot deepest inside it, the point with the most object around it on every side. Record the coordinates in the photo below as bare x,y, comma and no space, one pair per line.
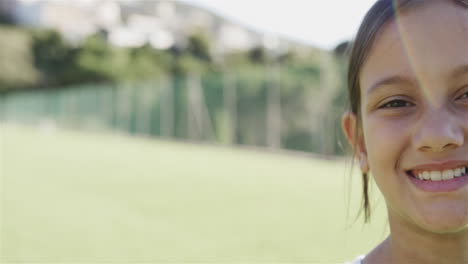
464,122
386,141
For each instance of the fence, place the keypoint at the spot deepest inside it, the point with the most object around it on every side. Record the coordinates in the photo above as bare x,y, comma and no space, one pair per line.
274,108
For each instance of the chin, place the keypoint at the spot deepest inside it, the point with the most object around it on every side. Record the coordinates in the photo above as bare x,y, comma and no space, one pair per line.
445,224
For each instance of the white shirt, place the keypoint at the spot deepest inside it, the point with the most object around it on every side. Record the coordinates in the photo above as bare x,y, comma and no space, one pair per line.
358,260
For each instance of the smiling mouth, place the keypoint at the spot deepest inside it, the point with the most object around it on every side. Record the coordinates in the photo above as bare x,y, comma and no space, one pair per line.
437,176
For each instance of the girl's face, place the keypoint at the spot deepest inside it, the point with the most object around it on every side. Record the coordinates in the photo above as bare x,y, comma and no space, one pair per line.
414,105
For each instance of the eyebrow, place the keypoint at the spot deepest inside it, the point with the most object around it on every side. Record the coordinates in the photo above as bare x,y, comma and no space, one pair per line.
396,79
460,71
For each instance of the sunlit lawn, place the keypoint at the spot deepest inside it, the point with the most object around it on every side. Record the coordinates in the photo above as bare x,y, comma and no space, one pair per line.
100,198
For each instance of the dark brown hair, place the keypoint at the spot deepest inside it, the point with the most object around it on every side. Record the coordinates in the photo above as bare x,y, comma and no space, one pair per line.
382,12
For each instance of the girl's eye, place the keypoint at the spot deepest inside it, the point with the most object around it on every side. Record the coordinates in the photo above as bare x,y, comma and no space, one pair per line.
464,96
396,104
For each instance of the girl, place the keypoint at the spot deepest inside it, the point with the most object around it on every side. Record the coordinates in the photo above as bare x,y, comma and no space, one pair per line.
408,125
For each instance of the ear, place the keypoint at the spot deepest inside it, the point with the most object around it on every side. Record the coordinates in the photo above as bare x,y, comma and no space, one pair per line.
355,138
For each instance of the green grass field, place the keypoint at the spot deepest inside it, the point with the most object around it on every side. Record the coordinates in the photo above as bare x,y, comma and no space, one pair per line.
100,198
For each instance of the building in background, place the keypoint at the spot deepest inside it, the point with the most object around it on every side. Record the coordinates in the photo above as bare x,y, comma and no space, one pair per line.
133,23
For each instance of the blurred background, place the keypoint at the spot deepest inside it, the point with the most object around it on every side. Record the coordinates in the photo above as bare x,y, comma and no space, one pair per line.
178,131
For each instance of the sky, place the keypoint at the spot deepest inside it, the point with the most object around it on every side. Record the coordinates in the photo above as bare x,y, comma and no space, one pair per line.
322,23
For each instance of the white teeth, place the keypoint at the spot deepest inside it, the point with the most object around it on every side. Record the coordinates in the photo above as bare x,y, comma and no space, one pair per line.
447,174
426,175
442,175
436,176
420,176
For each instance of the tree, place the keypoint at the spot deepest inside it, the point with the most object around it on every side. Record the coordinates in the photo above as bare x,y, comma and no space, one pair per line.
199,46
258,55
342,49
50,55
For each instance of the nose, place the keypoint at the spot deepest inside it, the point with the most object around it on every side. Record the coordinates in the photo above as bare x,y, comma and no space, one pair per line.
438,131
